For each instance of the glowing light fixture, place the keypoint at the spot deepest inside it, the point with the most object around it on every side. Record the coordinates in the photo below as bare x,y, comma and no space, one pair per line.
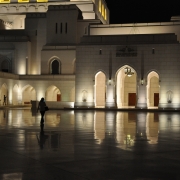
42,0
4,1
23,1
128,71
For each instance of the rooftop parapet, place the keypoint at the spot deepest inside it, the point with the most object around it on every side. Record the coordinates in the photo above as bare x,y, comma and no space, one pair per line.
170,38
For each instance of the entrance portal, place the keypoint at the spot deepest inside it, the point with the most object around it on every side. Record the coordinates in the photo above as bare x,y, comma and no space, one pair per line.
132,99
153,89
126,87
156,99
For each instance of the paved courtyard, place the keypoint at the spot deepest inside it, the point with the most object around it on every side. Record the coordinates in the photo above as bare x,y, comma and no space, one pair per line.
89,145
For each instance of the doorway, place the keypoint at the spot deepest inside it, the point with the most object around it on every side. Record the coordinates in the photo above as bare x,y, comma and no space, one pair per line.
58,97
132,99
156,99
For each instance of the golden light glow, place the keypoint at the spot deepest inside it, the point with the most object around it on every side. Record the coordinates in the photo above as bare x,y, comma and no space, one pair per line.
42,0
100,6
103,10
105,14
23,1
4,1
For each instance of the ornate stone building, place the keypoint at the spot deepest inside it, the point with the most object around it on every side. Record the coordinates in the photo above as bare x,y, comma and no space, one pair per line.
67,52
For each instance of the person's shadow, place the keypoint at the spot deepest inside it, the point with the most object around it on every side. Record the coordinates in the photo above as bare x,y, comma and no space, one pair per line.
42,137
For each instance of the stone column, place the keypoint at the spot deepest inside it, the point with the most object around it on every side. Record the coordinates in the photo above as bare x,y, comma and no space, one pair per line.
141,96
110,95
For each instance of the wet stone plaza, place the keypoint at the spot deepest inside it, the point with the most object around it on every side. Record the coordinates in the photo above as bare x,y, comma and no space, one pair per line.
89,145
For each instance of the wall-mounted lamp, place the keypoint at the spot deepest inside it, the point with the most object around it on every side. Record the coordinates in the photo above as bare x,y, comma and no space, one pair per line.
142,81
110,82
153,51
100,51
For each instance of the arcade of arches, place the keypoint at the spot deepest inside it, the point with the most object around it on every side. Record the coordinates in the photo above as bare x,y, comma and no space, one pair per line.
126,88
27,93
125,91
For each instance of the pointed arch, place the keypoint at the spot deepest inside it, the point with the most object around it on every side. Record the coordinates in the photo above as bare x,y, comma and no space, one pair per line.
5,65
54,65
126,86
53,94
28,94
100,89
153,89
4,92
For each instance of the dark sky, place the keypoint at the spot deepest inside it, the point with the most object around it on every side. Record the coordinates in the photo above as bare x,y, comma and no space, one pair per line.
138,11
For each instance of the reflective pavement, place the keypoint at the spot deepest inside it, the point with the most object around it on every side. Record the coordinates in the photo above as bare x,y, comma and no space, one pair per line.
80,145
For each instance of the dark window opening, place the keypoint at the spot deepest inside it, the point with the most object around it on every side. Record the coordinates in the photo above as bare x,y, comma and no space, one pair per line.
61,28
55,67
66,28
5,70
56,28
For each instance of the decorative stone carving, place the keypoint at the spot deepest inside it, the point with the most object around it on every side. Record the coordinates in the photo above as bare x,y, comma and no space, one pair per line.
126,51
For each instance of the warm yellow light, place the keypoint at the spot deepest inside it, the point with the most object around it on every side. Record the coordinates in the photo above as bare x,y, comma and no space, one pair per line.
99,5
105,14
23,1
42,0
4,1
103,10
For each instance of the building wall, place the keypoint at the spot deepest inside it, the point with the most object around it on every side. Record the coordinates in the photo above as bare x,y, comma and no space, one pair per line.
137,28
65,56
35,26
164,61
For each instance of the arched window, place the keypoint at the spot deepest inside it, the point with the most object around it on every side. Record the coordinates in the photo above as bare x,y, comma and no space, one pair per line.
5,66
55,67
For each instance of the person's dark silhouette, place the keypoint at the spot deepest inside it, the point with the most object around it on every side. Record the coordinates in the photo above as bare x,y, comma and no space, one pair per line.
41,107
4,102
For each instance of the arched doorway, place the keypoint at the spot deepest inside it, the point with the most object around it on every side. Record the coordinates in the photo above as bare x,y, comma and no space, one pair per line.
4,92
152,89
55,67
126,87
100,89
53,94
28,94
5,65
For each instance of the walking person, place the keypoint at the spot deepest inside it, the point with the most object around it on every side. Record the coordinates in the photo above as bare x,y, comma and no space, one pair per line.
4,102
42,108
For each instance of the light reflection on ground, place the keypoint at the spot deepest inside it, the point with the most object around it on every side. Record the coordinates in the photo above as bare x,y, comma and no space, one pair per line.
81,135
124,127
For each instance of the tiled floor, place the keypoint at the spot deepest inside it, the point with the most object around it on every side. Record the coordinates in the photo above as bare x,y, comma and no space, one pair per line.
75,145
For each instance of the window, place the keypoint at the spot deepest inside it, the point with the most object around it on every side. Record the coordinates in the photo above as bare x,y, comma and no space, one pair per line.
66,28
42,0
56,28
5,66
55,67
4,1
105,14
100,6
103,10
61,26
23,1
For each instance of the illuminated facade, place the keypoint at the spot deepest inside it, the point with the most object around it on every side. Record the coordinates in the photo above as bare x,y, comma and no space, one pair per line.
67,52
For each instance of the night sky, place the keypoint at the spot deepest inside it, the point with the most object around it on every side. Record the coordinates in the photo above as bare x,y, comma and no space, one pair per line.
139,11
